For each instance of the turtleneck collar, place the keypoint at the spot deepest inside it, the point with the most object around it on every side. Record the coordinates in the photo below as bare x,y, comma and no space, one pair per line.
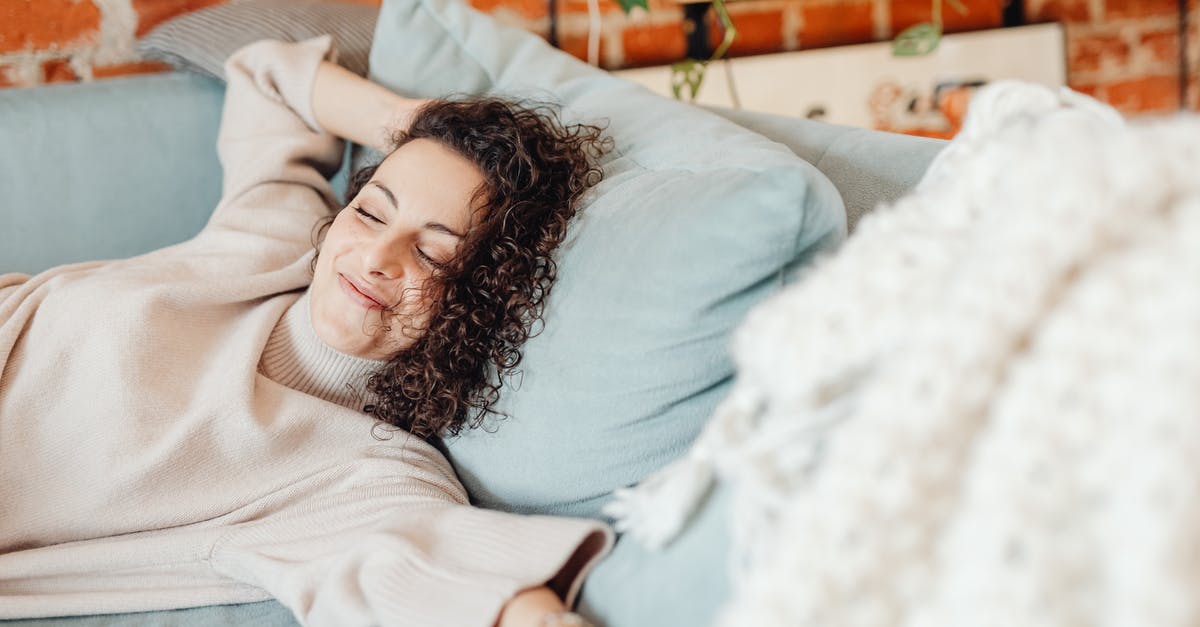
297,358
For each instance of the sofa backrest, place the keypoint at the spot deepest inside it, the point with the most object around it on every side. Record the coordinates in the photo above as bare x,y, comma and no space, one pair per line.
868,167
119,167
106,169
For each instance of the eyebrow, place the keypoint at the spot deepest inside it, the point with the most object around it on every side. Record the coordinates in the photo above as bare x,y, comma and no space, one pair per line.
432,226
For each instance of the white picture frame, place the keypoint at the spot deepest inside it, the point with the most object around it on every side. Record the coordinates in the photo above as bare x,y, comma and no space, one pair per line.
864,85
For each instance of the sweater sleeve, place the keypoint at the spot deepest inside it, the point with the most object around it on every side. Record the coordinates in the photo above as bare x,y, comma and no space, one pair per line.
9,283
409,551
275,158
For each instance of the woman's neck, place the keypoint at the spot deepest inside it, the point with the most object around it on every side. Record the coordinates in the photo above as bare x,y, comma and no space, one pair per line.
295,357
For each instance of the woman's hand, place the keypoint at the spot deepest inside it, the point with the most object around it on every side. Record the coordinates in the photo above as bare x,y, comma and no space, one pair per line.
534,607
356,109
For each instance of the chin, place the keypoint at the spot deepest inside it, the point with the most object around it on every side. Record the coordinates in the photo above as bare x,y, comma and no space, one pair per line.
340,324
337,329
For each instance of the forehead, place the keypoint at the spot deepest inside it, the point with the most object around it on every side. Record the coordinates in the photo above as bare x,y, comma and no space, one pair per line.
430,181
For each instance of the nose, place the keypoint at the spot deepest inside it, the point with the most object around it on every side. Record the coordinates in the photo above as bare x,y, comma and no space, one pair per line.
381,258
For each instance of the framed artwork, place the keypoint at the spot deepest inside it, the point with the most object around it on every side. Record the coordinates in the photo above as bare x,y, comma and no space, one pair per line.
864,85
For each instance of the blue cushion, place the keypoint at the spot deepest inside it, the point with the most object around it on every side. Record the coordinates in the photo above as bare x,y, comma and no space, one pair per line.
683,585
868,167
691,227
697,220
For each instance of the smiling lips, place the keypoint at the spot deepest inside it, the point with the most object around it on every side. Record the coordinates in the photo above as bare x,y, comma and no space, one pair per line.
363,297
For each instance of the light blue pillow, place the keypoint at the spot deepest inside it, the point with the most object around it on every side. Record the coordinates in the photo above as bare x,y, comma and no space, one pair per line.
693,224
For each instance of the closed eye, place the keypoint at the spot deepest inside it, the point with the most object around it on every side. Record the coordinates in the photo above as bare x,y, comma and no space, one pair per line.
422,255
429,261
367,215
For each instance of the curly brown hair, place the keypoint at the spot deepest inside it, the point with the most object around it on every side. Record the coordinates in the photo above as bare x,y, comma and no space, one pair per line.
487,301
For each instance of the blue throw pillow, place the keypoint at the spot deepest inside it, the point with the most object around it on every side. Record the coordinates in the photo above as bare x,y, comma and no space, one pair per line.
693,224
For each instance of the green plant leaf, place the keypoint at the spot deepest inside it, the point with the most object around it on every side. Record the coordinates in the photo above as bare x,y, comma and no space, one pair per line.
722,13
688,73
628,5
917,40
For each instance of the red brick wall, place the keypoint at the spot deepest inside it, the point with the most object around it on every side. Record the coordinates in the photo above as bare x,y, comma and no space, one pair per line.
49,41
1125,52
763,25
1121,51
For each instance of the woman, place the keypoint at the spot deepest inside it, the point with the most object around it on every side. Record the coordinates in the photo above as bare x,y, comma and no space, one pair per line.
194,426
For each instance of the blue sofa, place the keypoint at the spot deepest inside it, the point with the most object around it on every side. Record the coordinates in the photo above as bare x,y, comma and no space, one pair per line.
122,166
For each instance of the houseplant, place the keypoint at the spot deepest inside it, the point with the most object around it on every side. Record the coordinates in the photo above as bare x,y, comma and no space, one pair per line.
687,75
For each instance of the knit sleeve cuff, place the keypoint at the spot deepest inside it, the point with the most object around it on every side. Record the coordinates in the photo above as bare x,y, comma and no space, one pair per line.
568,582
430,565
497,555
287,70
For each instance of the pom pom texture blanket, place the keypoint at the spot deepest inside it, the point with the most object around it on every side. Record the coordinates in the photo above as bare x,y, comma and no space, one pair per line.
985,408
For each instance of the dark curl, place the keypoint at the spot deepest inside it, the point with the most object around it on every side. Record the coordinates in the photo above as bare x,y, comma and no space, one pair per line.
487,302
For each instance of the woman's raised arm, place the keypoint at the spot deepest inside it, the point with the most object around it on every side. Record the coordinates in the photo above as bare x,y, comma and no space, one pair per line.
356,109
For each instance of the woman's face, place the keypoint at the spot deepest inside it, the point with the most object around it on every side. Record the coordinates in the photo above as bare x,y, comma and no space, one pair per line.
369,295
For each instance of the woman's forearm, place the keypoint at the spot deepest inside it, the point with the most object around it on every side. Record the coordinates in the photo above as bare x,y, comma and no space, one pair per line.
356,109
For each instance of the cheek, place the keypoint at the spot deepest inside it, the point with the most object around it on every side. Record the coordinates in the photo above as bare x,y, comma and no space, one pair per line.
339,237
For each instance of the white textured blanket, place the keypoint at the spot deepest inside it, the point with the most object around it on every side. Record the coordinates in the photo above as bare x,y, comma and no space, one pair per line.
984,409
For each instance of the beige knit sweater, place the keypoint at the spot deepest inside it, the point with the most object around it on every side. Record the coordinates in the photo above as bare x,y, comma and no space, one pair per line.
174,434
